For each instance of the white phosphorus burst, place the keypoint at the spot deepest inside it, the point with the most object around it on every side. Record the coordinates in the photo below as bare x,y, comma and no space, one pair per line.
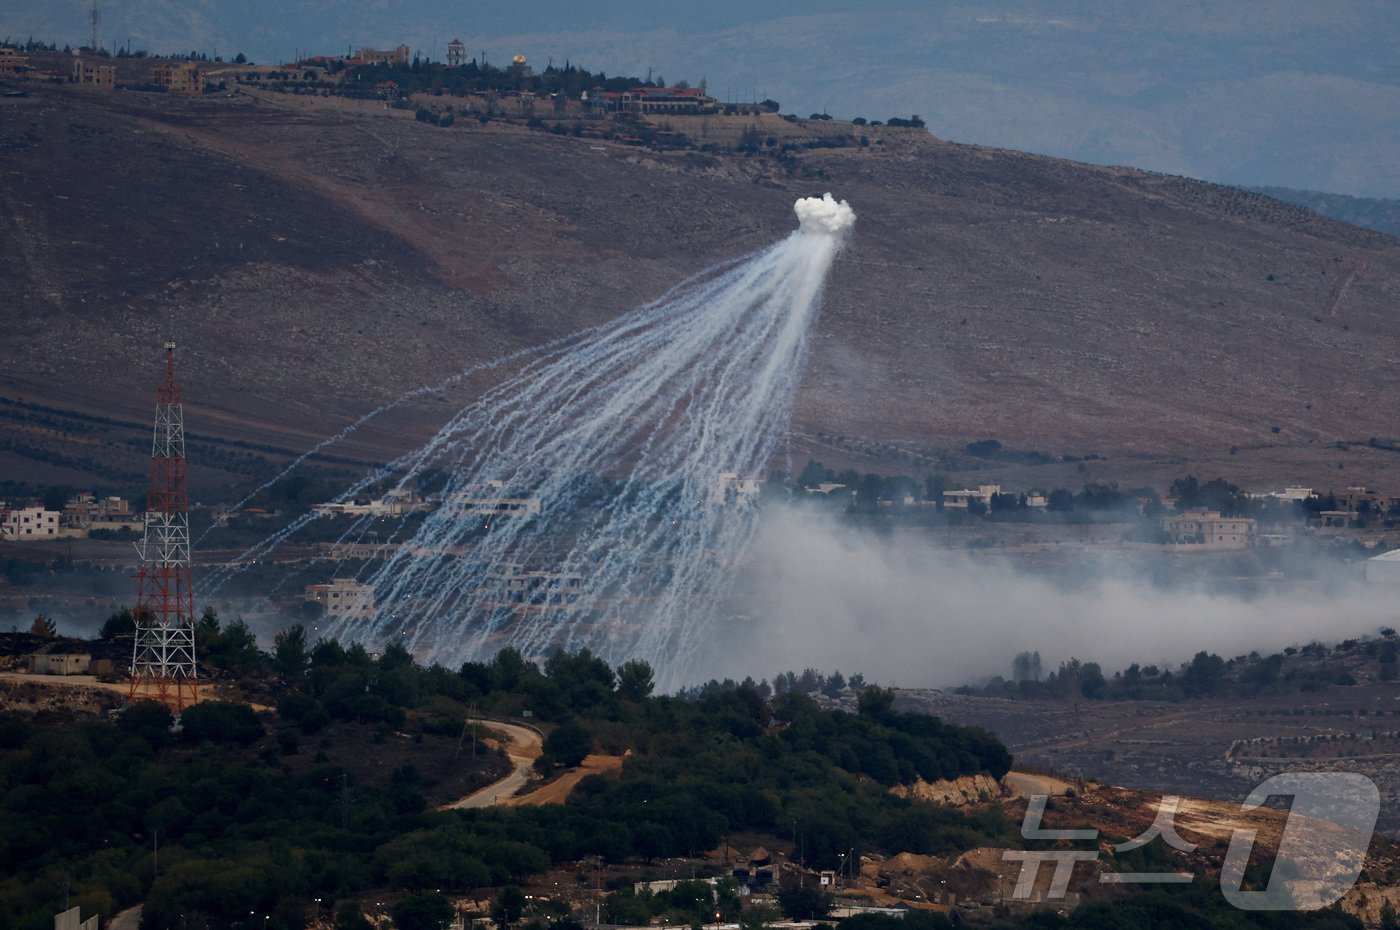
619,437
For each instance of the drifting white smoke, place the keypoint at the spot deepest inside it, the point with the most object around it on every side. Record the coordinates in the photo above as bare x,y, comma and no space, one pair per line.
903,612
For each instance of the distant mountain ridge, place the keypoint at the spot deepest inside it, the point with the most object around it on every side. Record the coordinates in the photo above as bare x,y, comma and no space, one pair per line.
1297,93
1368,212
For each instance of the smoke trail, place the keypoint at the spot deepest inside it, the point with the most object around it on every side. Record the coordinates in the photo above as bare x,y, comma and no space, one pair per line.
597,498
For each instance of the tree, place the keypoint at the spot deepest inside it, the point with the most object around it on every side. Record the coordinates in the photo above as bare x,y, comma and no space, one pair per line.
56,495
508,906
635,680
876,702
289,652
1204,675
813,474
350,916
44,626
423,912
240,59
804,903
568,745
149,720
757,917
1026,667
509,668
120,624
221,721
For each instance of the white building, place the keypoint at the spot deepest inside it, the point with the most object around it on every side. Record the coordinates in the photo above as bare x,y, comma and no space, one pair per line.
538,587
456,53
344,598
493,500
1384,568
395,503
729,488
958,500
33,522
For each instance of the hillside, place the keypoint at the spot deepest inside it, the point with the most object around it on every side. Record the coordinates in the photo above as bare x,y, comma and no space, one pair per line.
1375,213
316,258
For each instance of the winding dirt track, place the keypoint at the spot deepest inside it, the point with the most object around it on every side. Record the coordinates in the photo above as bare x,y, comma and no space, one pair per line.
523,745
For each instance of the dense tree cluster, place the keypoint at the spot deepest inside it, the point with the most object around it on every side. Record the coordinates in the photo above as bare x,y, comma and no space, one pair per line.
239,831
1313,667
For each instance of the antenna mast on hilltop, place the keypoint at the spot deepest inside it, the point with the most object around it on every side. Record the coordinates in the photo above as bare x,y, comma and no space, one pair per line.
162,657
96,18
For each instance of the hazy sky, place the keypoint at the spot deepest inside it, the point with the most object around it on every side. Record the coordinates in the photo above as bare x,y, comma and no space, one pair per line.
1288,92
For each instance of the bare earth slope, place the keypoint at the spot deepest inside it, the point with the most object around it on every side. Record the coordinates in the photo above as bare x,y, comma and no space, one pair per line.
314,259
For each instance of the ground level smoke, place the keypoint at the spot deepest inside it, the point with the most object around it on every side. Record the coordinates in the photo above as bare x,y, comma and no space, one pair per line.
825,596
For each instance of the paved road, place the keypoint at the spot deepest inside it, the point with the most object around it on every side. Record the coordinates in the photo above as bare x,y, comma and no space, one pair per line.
524,746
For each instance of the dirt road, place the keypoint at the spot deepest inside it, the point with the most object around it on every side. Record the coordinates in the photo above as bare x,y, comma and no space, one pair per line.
523,745
1024,784
557,791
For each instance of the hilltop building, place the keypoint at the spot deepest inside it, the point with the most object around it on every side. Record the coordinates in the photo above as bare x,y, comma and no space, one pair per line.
178,77
103,77
343,598
456,54
374,56
668,101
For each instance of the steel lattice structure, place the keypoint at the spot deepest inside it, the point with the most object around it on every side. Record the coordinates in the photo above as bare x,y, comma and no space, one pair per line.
162,659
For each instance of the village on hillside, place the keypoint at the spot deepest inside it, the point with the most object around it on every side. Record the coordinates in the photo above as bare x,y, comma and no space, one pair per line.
560,99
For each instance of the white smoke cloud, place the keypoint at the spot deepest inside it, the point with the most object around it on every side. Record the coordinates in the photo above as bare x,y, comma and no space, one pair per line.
904,612
824,215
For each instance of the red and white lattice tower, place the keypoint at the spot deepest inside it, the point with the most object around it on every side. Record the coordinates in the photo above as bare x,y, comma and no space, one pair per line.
162,659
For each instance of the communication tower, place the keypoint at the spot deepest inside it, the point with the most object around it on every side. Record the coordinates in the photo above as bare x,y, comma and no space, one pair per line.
162,659
96,18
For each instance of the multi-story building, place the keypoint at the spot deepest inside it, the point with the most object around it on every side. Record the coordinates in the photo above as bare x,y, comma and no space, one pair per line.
538,587
374,56
85,512
32,522
670,101
12,63
90,73
344,598
493,499
1207,528
178,77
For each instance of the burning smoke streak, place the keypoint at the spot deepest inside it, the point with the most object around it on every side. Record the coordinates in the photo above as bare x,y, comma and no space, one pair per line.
621,436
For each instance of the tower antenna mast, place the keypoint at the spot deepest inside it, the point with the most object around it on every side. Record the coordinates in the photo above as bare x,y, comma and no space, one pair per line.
162,659
96,18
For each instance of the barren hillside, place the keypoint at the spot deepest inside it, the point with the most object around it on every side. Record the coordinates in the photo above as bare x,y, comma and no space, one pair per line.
315,259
